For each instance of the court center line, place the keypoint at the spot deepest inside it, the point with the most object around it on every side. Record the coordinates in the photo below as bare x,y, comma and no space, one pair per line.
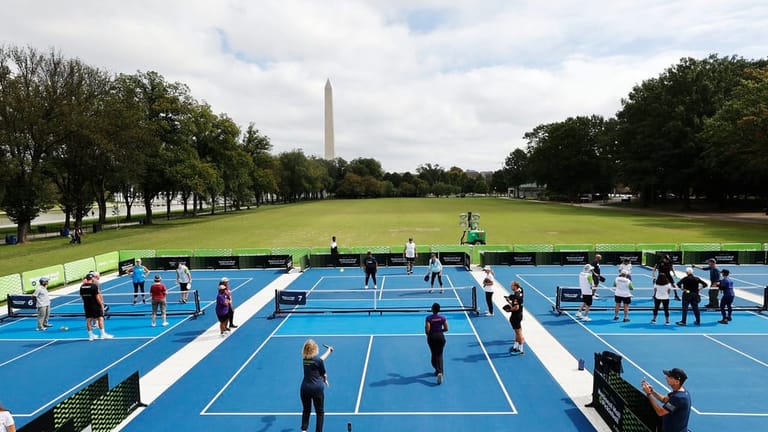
365,372
28,353
485,353
762,363
364,413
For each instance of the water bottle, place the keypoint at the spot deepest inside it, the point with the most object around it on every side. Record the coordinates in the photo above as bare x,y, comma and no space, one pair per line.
581,364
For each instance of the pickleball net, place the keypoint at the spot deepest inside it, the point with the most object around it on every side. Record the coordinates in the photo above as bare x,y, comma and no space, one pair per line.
116,304
316,301
748,298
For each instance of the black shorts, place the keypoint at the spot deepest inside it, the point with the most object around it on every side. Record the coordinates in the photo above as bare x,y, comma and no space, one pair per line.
587,299
410,259
516,320
223,318
371,271
93,311
184,286
625,300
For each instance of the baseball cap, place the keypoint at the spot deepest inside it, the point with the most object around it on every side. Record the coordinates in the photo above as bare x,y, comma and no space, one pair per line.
689,270
90,275
158,278
623,271
677,374
712,260
224,279
487,268
43,279
725,272
588,267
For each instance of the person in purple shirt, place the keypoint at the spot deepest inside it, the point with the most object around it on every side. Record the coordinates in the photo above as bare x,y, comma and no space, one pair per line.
726,302
313,384
435,327
222,309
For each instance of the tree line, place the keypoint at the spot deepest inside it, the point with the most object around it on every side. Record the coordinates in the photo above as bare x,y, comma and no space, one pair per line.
698,130
76,136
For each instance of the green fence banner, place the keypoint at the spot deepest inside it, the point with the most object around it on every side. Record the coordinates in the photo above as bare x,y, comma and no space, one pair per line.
55,274
10,284
170,253
107,262
76,270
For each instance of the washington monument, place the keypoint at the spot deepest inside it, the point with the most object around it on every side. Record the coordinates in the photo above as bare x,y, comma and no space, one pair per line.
329,137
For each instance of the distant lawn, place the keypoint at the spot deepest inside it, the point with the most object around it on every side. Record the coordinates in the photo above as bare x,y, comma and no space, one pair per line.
386,222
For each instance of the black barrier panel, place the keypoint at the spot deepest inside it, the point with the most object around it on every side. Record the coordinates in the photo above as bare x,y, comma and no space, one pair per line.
508,258
394,260
111,409
523,258
322,260
722,257
349,260
42,423
570,258
215,263
652,258
124,266
279,261
252,261
163,263
78,406
607,402
453,258
752,257
635,258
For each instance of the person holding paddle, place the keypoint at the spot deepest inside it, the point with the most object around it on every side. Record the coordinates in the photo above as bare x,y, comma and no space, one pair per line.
435,328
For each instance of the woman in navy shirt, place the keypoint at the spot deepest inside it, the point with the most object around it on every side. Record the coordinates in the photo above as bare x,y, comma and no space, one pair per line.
726,302
313,384
435,327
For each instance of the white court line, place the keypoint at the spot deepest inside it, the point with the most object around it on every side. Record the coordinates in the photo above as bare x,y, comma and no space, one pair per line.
27,353
681,334
367,413
762,363
362,377
315,335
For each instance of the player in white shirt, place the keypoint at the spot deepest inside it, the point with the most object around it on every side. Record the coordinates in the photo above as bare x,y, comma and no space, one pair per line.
585,283
661,290
622,295
410,255
626,265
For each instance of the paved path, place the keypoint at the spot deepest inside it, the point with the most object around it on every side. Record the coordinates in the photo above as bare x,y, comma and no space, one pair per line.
748,217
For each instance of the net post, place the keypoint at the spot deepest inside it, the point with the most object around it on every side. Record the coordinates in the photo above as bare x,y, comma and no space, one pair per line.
198,309
474,300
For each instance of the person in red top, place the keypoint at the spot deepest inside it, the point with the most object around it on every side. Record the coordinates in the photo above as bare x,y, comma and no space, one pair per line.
158,293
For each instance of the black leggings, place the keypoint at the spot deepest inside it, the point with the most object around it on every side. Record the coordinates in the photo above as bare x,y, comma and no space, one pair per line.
489,301
436,342
136,287
370,274
657,303
439,279
307,399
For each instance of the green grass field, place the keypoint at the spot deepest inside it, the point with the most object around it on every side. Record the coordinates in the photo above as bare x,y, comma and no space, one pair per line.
387,222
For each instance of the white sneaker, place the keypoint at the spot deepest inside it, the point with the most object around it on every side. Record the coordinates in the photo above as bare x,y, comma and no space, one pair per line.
366,287
489,313
105,335
153,324
165,323
91,336
586,318
578,314
375,287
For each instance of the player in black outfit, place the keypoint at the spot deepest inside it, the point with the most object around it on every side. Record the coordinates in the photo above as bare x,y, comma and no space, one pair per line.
664,266
370,266
515,306
690,285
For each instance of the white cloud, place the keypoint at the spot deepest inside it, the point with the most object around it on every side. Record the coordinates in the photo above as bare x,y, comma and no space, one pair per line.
460,87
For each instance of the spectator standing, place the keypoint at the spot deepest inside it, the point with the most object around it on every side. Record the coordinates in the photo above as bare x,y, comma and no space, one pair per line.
596,277
586,285
370,266
675,407
665,267
436,271
714,282
139,274
626,265
43,302
622,295
222,309
334,251
228,292
184,279
488,282
726,302
410,255
662,288
690,285
158,293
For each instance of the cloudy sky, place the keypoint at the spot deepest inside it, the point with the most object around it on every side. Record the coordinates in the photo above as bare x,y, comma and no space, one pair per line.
454,83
